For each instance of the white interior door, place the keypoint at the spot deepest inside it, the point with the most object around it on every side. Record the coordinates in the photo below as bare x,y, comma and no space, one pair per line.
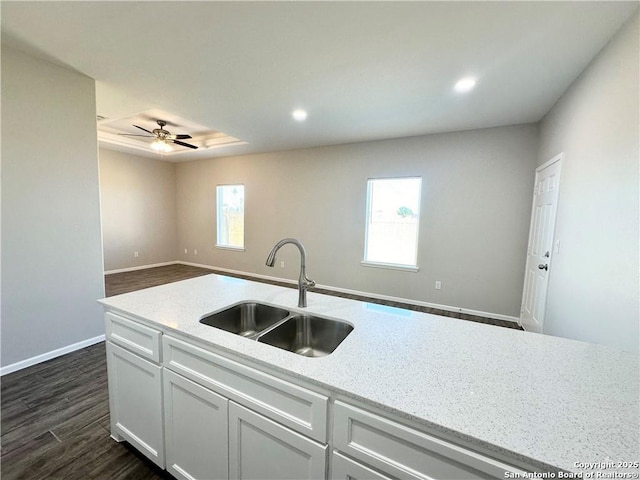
541,249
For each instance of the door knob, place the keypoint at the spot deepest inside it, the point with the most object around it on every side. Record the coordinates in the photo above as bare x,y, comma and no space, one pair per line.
543,266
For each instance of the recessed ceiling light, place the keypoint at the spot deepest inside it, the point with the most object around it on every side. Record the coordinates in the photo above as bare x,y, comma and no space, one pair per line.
299,115
465,84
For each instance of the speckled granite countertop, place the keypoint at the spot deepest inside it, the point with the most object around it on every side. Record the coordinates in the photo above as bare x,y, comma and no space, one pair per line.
544,400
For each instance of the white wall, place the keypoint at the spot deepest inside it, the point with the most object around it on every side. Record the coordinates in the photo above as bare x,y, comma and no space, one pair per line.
51,241
138,197
477,188
593,289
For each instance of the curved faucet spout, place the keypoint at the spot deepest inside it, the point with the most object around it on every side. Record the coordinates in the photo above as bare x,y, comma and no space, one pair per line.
272,255
303,281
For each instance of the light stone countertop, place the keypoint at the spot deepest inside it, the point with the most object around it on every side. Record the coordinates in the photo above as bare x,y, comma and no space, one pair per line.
548,401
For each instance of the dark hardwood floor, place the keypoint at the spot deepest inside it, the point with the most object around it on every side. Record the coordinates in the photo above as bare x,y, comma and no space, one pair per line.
118,283
55,423
55,415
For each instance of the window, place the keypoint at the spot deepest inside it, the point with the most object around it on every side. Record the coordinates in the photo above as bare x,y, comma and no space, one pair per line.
393,217
230,216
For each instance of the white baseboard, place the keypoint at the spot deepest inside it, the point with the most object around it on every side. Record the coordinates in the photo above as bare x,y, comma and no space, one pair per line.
14,367
141,267
448,308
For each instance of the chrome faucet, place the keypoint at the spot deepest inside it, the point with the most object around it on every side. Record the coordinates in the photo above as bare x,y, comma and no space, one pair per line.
303,281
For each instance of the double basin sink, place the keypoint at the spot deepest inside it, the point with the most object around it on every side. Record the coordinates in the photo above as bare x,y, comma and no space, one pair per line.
308,335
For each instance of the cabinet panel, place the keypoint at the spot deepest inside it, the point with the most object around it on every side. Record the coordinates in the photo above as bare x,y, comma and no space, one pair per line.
135,402
296,407
133,336
195,430
403,452
344,468
261,449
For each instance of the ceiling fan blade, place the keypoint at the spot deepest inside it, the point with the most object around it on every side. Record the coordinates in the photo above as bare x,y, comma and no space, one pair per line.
172,136
135,135
143,129
183,144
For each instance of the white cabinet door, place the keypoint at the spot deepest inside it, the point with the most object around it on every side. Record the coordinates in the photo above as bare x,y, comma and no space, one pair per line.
135,401
195,430
262,449
344,468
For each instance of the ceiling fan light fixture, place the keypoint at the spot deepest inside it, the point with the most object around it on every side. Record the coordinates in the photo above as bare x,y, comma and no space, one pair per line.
161,146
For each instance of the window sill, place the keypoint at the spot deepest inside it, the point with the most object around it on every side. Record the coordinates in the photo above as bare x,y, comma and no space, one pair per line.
390,266
229,247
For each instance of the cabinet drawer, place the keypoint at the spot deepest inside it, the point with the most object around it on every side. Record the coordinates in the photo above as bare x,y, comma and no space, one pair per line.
298,408
344,468
403,452
133,336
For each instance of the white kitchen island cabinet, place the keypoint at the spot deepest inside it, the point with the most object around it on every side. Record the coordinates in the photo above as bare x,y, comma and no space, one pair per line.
224,418
261,449
406,394
273,443
135,402
211,437
135,385
196,424
289,404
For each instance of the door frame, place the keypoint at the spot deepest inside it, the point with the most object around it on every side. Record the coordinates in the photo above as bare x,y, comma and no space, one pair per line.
555,159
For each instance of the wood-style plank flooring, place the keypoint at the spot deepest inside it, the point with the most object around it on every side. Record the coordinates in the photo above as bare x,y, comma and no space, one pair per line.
55,415
55,423
118,283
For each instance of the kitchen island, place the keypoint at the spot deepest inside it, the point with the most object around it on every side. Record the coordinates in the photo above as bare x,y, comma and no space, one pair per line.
535,402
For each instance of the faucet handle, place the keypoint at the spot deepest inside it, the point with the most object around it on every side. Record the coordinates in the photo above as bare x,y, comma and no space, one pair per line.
309,282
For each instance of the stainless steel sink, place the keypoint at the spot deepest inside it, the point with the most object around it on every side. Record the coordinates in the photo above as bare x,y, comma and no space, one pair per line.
307,335
247,318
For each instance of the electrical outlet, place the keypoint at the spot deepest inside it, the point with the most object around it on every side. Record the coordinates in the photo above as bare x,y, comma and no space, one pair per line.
135,255
438,284
195,252
282,264
186,251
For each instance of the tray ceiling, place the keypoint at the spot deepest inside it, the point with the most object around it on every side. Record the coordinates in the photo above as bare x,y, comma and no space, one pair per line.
110,134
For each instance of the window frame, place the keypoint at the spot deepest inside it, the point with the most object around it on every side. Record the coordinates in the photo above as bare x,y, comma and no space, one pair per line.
390,265
218,203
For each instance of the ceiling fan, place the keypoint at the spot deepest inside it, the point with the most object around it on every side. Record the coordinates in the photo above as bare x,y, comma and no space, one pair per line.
162,137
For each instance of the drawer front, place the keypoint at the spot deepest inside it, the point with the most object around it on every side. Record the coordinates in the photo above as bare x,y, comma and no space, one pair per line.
403,452
295,407
344,468
139,339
